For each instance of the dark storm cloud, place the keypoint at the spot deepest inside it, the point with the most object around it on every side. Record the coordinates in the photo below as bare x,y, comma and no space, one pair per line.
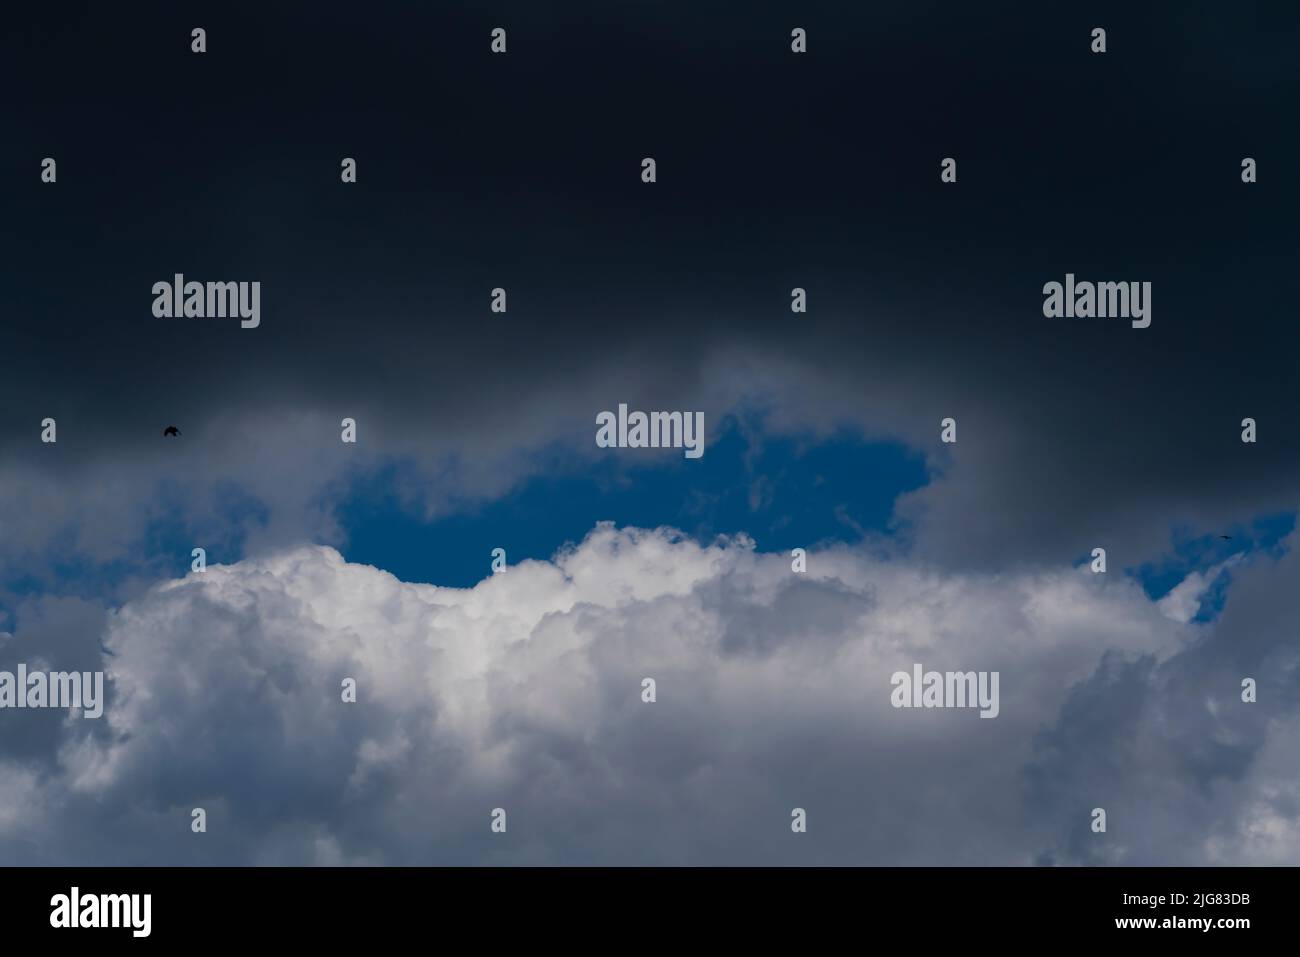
775,171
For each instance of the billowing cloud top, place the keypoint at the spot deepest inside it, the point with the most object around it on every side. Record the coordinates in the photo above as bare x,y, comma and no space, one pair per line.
524,693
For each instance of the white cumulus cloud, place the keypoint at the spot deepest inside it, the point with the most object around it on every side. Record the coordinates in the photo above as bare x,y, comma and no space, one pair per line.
524,693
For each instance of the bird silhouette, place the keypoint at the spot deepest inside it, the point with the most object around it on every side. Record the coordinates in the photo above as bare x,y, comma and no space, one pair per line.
1226,538
171,430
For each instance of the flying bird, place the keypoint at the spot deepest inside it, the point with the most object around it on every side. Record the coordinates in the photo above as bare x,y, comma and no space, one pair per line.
1226,538
171,430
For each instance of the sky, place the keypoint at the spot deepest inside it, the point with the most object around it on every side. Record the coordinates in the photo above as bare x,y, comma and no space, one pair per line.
522,689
